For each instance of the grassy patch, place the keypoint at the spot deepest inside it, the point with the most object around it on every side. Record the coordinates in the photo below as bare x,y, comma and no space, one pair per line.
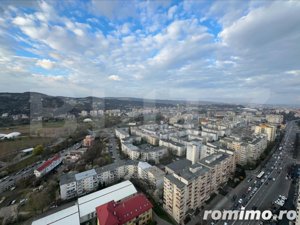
12,147
54,124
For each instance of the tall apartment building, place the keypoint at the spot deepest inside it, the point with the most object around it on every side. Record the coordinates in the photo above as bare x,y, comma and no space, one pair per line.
269,130
193,151
188,186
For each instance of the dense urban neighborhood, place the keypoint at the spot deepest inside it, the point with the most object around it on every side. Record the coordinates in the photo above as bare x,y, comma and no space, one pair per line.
149,112
150,165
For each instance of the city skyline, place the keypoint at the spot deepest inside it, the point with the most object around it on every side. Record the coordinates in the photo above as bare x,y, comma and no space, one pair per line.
193,50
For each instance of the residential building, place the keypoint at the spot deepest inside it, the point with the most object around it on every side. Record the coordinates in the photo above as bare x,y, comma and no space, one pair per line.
121,133
193,152
72,184
269,130
84,209
212,136
187,186
136,209
131,150
86,181
153,154
177,148
155,176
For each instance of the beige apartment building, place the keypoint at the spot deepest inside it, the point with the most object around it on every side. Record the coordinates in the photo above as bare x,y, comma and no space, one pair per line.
269,130
187,186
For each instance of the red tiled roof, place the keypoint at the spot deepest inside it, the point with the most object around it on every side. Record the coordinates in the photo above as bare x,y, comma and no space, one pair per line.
119,213
47,163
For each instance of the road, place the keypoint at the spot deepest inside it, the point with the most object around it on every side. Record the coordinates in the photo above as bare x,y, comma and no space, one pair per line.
26,172
276,168
263,191
269,193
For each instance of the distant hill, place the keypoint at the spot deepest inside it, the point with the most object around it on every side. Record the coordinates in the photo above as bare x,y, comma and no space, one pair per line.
36,103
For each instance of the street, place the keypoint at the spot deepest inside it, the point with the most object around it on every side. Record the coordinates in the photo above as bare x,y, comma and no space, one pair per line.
254,193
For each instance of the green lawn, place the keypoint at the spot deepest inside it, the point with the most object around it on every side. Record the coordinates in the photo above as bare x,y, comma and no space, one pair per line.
12,147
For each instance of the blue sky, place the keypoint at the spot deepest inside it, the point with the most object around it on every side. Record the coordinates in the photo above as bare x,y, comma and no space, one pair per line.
238,51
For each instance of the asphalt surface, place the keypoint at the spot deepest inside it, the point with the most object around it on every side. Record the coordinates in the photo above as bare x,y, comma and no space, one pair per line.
13,178
277,168
254,193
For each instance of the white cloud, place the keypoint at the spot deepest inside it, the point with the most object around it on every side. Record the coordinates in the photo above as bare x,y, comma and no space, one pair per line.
114,77
171,12
160,49
45,63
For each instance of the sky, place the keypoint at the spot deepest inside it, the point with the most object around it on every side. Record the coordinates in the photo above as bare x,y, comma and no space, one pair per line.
232,51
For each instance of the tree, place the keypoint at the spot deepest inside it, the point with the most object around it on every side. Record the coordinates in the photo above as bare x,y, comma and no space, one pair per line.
39,201
39,149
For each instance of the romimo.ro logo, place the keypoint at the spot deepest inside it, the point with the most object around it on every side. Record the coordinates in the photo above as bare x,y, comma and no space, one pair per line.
249,215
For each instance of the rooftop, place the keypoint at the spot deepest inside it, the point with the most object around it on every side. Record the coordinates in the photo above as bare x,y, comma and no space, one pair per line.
115,165
67,178
113,213
85,174
175,181
179,165
48,163
155,171
214,159
144,165
87,204
66,216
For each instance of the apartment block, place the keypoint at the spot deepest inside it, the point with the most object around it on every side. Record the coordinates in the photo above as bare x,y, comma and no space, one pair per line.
121,133
72,184
187,186
267,129
193,151
177,148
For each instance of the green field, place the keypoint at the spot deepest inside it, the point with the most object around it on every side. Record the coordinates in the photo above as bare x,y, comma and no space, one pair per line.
12,147
33,135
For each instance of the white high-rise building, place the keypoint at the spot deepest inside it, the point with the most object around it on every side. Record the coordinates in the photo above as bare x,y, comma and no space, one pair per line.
193,152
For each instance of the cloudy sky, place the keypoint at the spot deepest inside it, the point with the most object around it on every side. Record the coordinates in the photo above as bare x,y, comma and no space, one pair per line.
245,51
